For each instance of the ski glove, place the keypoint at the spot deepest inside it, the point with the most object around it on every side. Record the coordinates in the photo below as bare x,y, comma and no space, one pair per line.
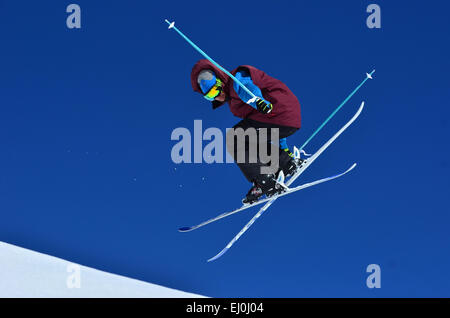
263,106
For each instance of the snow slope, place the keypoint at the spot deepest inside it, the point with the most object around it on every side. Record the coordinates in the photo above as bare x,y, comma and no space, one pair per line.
25,273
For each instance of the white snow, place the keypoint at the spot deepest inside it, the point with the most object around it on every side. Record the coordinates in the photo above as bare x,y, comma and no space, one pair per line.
25,273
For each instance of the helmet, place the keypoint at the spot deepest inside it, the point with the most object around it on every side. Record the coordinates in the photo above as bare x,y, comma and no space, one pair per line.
206,79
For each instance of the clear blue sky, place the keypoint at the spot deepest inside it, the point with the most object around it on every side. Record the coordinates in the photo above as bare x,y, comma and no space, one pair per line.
85,123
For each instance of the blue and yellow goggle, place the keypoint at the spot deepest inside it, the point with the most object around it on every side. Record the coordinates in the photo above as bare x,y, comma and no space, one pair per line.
214,91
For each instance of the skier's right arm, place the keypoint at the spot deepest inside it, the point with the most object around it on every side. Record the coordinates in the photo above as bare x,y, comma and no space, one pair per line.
260,104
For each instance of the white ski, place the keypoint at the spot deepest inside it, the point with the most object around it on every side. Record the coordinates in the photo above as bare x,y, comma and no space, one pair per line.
302,169
247,206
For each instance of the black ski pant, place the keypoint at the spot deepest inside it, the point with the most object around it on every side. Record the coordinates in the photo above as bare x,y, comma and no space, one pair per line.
263,144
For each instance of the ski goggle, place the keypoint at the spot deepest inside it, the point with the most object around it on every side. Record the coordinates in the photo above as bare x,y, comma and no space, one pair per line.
214,91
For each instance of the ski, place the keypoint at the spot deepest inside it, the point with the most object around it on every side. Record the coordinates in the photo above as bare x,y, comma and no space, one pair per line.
302,169
288,191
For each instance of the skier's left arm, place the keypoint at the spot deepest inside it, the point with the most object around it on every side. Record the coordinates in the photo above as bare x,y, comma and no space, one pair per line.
260,104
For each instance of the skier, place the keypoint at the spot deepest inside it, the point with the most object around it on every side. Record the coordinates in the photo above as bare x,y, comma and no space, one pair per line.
275,107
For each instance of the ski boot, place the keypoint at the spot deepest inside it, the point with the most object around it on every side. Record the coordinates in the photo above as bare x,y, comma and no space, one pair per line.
291,167
264,185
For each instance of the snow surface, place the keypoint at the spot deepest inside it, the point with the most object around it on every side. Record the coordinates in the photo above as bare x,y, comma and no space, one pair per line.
25,273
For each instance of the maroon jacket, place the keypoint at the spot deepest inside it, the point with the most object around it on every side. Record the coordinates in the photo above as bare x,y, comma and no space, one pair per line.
286,107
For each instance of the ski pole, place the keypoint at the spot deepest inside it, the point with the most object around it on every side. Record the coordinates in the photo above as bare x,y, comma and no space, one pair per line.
368,76
172,26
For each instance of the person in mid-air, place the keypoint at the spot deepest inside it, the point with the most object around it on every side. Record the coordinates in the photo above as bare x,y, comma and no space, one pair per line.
275,107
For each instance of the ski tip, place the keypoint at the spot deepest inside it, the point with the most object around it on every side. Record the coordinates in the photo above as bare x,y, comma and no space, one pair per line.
212,259
184,229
